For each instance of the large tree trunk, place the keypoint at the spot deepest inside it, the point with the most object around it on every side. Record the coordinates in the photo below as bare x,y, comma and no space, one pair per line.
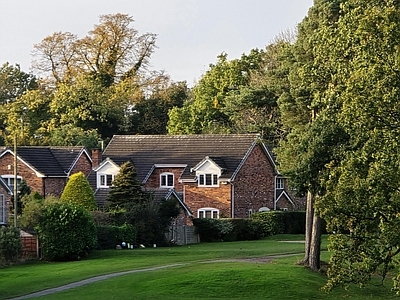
313,236
309,225
315,245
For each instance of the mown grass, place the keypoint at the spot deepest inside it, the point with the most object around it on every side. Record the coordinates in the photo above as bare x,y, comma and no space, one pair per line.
195,279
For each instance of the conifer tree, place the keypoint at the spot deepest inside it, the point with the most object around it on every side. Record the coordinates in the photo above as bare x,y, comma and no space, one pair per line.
125,189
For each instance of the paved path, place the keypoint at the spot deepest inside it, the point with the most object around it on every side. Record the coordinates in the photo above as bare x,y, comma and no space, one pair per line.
107,276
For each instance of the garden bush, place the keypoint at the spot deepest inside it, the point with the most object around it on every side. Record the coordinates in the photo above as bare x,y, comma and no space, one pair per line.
66,231
108,236
211,230
271,222
10,244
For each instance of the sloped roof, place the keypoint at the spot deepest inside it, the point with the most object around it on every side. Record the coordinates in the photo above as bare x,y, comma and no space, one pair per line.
50,161
145,151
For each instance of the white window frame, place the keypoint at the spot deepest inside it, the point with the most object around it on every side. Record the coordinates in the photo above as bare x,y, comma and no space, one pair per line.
280,183
203,180
104,177
213,213
167,176
9,178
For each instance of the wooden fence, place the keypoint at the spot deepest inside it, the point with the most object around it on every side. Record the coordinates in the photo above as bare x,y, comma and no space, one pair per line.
183,235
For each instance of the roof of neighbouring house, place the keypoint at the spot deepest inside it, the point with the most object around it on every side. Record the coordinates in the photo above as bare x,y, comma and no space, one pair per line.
50,161
146,151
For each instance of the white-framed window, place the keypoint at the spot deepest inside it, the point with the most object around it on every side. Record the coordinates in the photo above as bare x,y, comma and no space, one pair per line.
249,212
105,180
9,179
208,179
280,183
208,213
167,180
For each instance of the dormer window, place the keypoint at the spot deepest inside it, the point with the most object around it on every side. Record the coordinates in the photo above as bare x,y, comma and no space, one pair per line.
106,180
167,180
208,179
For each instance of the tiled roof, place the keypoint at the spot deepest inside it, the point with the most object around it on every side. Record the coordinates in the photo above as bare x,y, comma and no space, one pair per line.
228,150
50,161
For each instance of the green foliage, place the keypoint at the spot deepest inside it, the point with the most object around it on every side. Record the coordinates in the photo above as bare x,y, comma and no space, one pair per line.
151,114
271,223
230,98
69,135
212,230
125,189
78,191
109,236
66,231
14,82
10,244
32,207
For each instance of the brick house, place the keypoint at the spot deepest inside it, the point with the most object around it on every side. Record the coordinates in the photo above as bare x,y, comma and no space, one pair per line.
45,169
215,176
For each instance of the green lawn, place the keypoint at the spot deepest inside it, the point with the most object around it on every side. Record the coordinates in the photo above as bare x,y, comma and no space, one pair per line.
194,279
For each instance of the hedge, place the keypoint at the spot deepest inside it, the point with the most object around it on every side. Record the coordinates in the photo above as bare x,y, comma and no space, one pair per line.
261,224
109,236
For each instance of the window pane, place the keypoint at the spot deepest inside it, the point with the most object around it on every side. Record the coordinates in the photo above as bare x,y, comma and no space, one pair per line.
201,214
208,179
102,180
208,214
201,179
215,214
163,180
215,179
170,180
109,180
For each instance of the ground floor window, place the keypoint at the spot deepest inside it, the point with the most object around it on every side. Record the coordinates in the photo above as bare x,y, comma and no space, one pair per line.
208,213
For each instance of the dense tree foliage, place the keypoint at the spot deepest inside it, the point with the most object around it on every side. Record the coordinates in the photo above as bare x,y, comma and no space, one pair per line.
229,98
90,88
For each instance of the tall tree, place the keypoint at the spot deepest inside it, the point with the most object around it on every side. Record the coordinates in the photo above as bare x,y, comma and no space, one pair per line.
362,200
113,50
313,137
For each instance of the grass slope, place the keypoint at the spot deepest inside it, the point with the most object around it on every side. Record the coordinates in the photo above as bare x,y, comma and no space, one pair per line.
278,279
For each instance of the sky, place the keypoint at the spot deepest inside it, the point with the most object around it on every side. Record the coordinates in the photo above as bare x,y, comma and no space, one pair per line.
190,33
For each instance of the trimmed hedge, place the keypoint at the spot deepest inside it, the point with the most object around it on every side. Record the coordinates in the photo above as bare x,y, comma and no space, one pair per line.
212,230
109,236
260,225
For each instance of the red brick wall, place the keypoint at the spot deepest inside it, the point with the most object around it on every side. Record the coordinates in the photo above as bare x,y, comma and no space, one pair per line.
53,186
83,165
254,184
216,197
154,180
44,186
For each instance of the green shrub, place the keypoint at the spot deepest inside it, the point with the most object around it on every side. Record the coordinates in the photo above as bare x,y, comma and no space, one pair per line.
295,222
66,231
78,191
271,222
10,244
211,230
108,236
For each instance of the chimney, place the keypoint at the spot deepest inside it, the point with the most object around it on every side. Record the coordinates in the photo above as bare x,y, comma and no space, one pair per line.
96,157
